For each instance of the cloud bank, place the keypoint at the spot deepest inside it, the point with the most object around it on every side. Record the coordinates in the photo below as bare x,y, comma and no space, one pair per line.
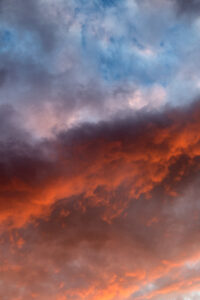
102,209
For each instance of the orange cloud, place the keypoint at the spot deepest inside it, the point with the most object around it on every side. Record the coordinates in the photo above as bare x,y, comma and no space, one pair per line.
107,211
96,160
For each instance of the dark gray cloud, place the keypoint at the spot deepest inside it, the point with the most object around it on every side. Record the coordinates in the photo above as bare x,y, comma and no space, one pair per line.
96,153
188,7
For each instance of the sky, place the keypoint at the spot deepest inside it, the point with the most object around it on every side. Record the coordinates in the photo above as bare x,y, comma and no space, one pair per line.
99,149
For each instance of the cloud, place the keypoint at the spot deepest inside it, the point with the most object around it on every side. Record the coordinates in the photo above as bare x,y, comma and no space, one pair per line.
188,7
30,16
66,63
99,153
73,253
132,155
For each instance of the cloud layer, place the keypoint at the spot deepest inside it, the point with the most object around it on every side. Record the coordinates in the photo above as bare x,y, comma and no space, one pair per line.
65,63
99,150
102,209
